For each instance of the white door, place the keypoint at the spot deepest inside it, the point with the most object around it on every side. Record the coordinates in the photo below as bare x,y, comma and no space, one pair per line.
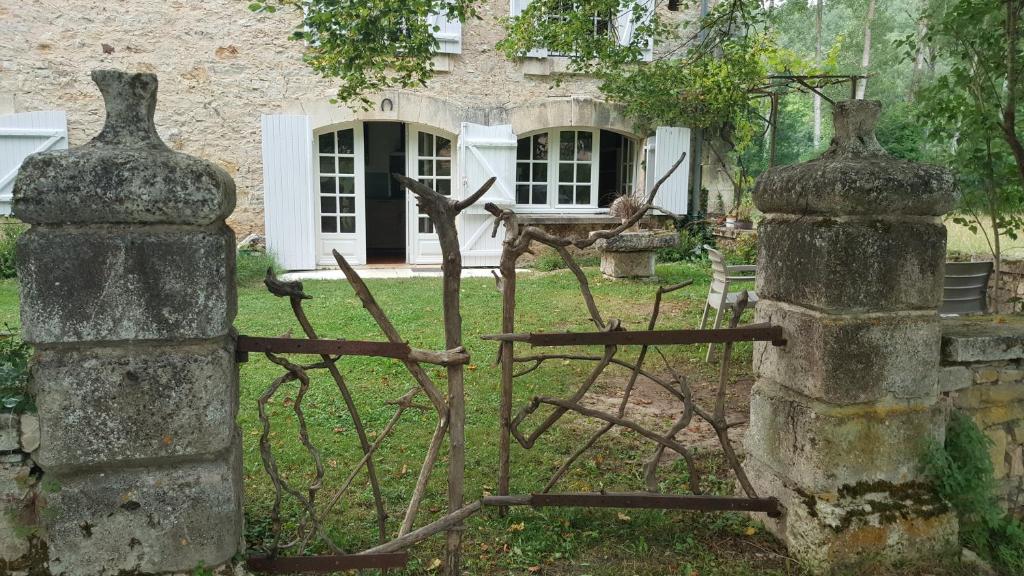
339,195
24,134
485,152
431,157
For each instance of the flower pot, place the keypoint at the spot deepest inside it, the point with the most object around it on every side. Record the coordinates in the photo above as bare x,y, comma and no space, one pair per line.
730,222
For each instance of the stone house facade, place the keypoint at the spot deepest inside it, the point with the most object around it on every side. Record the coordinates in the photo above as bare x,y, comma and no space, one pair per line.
312,175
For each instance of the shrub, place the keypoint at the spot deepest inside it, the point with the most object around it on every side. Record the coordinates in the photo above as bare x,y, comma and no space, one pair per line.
251,266
962,472
9,232
694,233
14,357
743,251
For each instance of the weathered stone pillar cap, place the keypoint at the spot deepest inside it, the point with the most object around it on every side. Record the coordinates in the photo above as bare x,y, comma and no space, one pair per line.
856,176
124,175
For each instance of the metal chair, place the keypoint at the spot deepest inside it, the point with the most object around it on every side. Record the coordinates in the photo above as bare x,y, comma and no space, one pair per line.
965,288
723,275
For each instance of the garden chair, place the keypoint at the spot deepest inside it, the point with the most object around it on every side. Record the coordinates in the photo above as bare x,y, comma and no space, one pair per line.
723,276
965,288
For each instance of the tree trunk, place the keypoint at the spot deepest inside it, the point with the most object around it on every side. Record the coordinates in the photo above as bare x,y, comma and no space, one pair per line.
865,61
817,61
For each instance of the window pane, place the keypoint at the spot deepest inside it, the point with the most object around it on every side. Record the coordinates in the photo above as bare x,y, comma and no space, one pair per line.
426,167
583,172
540,147
328,224
522,171
523,149
348,205
444,187
426,226
583,194
565,194
327,185
328,204
327,165
327,143
585,146
567,145
444,147
540,172
345,142
348,224
444,167
346,166
565,173
348,185
523,193
540,193
426,144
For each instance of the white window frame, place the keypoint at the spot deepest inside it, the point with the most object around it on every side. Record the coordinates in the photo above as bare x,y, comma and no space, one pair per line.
554,162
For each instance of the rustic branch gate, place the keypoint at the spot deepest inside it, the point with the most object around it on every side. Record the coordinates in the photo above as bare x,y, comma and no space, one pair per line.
450,409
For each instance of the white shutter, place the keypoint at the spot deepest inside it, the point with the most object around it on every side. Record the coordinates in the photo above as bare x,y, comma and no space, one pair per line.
625,26
517,7
485,152
669,144
288,190
24,134
448,34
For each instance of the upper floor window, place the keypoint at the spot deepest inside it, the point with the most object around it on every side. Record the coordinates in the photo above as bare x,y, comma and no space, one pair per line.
574,168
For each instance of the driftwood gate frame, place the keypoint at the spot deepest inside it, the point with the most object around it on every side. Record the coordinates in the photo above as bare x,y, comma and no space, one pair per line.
450,408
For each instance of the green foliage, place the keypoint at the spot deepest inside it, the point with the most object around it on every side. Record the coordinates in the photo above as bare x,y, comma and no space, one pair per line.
251,266
14,357
961,471
370,45
695,232
743,250
9,232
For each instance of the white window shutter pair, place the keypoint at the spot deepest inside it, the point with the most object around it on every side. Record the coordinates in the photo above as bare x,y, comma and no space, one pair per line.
288,209
448,33
24,134
626,24
516,9
663,150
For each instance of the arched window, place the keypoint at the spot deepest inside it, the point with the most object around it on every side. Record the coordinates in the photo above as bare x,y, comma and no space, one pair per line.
574,168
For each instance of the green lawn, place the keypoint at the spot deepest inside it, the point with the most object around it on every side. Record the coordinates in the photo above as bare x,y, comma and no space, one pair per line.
527,541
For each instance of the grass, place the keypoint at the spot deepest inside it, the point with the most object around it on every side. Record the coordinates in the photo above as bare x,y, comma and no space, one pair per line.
527,541
961,240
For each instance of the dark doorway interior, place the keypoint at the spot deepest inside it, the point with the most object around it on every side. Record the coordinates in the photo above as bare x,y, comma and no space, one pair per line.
385,199
612,181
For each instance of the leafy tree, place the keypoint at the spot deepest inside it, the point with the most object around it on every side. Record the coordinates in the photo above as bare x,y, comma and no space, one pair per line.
970,108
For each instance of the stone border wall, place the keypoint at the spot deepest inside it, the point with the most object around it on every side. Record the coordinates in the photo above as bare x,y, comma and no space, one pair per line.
1009,296
983,375
19,487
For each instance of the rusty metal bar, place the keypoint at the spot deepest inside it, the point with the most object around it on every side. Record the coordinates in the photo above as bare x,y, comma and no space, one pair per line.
325,564
751,333
397,350
702,503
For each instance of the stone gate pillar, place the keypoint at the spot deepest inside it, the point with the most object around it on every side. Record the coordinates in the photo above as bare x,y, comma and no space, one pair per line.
851,256
128,295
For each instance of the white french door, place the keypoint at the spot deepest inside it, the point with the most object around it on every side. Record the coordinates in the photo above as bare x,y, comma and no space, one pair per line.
430,161
340,198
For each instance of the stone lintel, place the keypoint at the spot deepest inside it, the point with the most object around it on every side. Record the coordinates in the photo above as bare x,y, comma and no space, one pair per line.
850,359
103,285
112,406
982,339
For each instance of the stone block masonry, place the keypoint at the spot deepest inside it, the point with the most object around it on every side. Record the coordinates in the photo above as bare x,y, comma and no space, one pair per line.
128,297
983,375
850,265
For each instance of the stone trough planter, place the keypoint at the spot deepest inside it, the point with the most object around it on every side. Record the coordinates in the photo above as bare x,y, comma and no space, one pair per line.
631,254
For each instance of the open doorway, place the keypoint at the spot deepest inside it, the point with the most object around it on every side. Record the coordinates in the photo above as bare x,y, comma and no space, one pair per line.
617,167
385,198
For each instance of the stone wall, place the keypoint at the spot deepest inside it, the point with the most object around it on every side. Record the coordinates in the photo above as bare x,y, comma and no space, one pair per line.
1009,297
221,67
19,489
983,375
